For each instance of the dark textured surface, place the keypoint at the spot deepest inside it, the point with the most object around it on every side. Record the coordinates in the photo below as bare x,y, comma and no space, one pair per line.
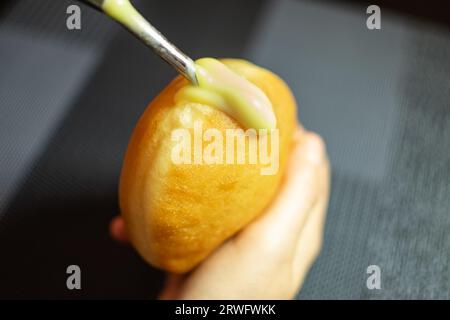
381,101
35,94
411,239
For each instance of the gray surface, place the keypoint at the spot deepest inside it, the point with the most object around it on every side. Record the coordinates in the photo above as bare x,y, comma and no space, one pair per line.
50,78
342,74
411,238
43,69
381,100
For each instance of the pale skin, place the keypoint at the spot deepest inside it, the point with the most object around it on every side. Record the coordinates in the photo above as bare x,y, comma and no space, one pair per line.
270,258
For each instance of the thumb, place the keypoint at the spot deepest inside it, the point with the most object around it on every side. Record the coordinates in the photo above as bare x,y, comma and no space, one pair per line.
299,191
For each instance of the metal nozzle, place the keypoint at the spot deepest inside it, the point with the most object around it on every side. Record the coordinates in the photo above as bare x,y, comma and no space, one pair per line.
167,51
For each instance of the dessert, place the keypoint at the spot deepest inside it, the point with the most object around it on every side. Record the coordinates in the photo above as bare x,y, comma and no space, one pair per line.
176,214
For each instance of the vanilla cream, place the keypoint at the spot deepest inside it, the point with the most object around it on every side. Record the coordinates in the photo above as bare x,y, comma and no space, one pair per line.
224,89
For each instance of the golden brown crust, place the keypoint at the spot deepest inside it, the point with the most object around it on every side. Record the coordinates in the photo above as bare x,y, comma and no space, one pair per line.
177,214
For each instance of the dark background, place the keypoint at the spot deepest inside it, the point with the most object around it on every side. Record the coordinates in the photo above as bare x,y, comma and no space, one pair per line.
70,99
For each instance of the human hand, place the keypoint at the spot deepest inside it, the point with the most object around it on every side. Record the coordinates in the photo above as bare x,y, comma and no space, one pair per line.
269,258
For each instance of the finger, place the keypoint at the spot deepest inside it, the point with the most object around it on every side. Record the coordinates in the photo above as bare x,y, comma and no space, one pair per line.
310,240
117,230
299,191
299,133
171,288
